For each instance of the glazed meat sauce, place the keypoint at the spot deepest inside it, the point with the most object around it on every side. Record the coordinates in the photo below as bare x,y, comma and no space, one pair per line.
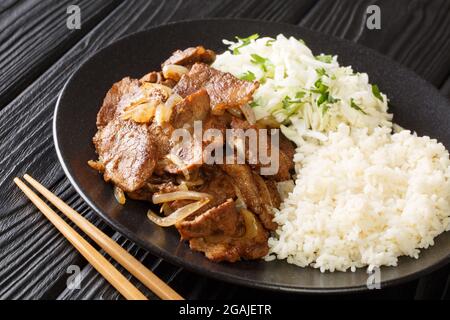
136,153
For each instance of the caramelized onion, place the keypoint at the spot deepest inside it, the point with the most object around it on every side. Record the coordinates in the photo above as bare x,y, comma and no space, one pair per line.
96,165
165,90
119,195
164,111
235,112
174,72
269,121
240,202
142,113
251,225
179,195
178,215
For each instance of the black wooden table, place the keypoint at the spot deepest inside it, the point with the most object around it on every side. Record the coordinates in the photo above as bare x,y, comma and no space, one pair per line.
37,55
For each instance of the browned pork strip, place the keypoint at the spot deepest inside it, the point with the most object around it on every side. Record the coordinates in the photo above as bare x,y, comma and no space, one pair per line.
223,220
285,151
232,249
190,56
243,178
126,150
224,89
120,95
195,107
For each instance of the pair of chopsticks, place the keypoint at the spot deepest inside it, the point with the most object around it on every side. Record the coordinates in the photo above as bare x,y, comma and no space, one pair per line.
98,261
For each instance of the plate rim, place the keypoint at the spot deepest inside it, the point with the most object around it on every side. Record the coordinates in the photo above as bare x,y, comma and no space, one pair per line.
223,276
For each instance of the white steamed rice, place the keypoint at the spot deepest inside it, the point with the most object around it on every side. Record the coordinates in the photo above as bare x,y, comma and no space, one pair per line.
364,199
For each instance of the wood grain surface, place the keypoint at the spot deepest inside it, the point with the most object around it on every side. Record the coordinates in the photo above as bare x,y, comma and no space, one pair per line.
38,54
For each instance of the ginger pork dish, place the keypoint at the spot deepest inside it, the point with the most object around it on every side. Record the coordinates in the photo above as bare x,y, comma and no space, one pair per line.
267,151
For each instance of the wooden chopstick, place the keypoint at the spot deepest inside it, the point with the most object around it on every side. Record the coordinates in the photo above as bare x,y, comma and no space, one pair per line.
130,263
99,262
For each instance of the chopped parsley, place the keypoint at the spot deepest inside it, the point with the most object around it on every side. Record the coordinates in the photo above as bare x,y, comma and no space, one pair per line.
269,42
356,107
262,62
300,94
248,76
325,98
325,58
245,42
253,104
376,92
321,72
292,105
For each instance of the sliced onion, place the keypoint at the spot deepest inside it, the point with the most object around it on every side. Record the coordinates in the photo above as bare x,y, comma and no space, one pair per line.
174,72
235,112
119,195
191,183
251,225
164,111
179,195
96,165
240,202
173,100
167,91
178,215
142,113
269,121
249,114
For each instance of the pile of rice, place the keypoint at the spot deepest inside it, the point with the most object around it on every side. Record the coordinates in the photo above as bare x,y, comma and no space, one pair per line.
363,196
364,199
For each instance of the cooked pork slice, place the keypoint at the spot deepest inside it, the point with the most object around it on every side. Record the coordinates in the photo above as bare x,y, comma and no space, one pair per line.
270,199
252,245
223,220
243,178
120,95
285,151
190,56
224,89
127,152
195,107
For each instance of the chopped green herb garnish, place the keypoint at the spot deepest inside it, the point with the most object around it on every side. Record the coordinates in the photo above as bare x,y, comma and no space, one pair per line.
248,76
287,102
321,72
269,42
322,98
300,94
253,104
325,58
245,42
257,59
376,92
262,62
356,107
320,87
325,108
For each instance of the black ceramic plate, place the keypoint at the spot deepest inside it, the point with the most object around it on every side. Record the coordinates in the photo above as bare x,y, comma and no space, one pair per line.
415,103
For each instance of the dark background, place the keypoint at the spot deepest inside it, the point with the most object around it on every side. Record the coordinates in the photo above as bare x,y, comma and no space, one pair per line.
38,54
